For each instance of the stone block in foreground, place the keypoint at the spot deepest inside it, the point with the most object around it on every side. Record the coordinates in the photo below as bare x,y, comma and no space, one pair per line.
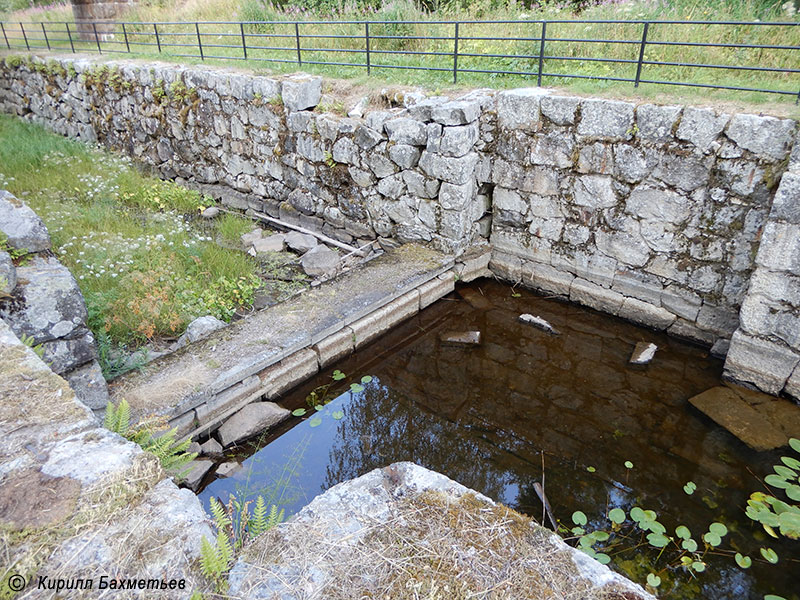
404,518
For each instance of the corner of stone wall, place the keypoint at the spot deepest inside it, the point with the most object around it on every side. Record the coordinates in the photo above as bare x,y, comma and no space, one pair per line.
765,350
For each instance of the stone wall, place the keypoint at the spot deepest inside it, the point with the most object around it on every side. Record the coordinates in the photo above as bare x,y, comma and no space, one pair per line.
41,302
653,213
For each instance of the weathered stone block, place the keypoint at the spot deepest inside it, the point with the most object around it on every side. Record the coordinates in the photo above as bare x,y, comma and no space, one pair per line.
553,149
655,122
249,421
406,131
301,92
766,364
595,296
456,197
546,278
453,170
457,141
786,203
404,156
367,138
637,284
458,112
720,320
689,331
606,119
593,191
768,137
22,227
289,372
559,109
780,248
646,314
519,109
506,266
701,126
650,203
684,303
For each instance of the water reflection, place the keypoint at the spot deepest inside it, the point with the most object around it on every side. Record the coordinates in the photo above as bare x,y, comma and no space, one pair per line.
523,403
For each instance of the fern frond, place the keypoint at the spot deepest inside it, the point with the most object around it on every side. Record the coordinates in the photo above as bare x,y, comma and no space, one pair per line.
221,519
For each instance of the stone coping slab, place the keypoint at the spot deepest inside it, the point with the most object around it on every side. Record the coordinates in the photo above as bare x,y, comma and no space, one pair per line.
173,385
401,525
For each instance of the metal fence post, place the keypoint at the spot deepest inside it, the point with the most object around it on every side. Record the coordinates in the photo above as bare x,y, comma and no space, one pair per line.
455,55
125,33
69,35
158,41
44,31
24,35
199,41
641,54
97,38
297,36
366,41
541,54
244,44
5,37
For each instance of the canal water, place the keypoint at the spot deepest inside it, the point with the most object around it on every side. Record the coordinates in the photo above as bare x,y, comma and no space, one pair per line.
524,406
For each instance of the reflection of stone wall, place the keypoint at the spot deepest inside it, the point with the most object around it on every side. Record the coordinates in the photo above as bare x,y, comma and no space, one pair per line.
653,213
98,16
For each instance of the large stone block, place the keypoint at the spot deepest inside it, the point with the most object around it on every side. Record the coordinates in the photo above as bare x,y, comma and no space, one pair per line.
594,191
453,170
561,110
406,131
335,347
457,112
701,126
546,278
786,203
766,364
768,137
780,248
250,420
655,204
21,226
301,92
595,296
646,314
606,119
519,109
655,122
456,197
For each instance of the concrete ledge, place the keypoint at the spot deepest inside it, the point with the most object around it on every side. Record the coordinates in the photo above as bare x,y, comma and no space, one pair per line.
595,296
335,347
289,372
369,328
436,288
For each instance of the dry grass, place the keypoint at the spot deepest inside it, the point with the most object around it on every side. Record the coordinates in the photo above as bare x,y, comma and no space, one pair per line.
435,547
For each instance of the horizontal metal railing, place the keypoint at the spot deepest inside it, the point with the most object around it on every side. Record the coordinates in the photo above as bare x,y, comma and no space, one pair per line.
450,48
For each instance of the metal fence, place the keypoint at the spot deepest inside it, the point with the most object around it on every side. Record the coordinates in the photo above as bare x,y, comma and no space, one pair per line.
454,48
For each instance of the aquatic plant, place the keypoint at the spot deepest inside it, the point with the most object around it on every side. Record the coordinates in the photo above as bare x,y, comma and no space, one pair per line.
774,514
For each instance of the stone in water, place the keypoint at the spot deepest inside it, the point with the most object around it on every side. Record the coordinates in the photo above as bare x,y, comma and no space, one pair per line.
539,323
461,338
643,353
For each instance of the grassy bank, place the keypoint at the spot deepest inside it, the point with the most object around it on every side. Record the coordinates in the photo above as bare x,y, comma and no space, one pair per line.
394,43
145,267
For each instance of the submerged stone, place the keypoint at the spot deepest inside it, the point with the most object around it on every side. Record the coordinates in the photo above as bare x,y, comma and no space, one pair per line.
461,338
643,353
197,470
539,323
250,420
752,423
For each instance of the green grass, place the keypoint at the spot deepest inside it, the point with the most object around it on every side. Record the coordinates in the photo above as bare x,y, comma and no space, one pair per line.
403,10
134,243
231,227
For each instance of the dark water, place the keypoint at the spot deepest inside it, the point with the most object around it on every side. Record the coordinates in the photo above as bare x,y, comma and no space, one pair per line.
493,417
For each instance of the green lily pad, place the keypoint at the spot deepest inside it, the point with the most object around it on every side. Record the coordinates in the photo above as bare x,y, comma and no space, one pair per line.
769,555
315,421
653,580
743,561
617,515
579,518
299,412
